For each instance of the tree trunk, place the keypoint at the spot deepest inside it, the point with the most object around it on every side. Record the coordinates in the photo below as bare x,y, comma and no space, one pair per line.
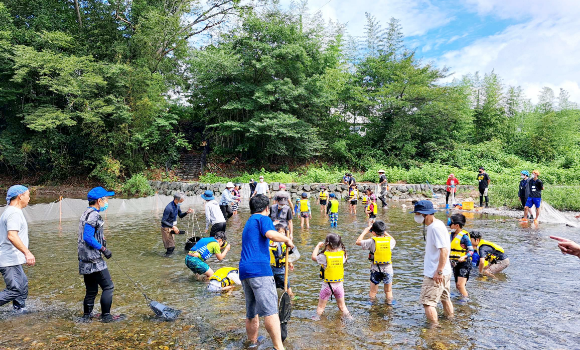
78,10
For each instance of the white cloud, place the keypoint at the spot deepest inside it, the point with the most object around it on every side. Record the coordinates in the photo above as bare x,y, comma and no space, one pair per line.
541,52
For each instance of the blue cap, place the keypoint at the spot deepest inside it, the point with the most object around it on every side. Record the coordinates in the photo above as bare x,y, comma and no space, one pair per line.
304,195
332,195
208,195
424,207
14,191
99,192
525,172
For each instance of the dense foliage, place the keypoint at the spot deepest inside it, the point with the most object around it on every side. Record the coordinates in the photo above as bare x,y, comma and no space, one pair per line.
111,88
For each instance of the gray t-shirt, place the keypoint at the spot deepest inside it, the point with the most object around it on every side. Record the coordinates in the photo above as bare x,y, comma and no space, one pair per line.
369,244
12,219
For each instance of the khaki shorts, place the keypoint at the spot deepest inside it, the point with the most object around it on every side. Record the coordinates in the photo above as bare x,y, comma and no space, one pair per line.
167,237
498,266
432,293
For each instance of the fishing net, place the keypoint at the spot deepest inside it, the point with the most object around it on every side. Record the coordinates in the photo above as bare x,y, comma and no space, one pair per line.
163,311
284,312
550,215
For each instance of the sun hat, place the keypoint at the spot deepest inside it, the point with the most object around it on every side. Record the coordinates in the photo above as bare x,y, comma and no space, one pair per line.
424,207
261,177
230,185
99,192
304,195
525,172
208,195
381,171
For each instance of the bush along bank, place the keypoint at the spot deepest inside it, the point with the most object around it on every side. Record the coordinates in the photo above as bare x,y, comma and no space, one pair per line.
396,191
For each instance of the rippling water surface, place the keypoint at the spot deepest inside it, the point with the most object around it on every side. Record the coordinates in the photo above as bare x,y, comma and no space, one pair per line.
534,305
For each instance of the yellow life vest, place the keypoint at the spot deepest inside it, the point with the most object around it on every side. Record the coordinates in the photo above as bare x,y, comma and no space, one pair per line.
323,195
221,275
491,258
457,251
353,193
334,271
382,254
275,259
374,209
334,206
365,199
304,205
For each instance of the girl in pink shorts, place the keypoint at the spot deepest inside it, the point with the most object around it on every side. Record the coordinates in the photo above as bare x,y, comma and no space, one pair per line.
332,258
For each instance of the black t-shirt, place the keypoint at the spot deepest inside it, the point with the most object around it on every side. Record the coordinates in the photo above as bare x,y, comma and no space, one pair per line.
382,178
535,187
523,188
483,179
253,186
485,250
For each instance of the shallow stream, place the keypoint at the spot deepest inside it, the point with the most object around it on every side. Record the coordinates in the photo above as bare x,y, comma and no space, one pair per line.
534,305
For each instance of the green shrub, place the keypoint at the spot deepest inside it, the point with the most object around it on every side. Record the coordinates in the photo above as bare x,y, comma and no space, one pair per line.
108,171
138,185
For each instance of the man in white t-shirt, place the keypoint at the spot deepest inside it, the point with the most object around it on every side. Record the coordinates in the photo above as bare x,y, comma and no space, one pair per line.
436,267
14,249
262,188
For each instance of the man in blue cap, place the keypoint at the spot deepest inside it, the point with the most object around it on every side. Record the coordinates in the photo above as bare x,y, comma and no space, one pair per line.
14,249
91,247
169,221
213,214
436,267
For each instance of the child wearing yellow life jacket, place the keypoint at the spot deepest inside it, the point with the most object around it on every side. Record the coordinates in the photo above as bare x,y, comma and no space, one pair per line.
323,198
278,260
332,210
332,258
371,209
492,257
380,247
224,279
353,197
305,211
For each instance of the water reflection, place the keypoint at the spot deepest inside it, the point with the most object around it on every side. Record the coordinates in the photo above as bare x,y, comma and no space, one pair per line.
532,306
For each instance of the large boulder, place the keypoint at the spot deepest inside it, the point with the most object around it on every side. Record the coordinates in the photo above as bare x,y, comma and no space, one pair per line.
306,188
275,186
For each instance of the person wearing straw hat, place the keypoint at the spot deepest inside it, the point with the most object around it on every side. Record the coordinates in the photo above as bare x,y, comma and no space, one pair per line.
226,200
436,267
213,214
92,246
169,221
14,249
384,187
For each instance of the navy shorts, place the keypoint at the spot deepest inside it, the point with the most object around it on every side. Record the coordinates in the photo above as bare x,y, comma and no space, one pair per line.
533,201
279,279
322,202
462,269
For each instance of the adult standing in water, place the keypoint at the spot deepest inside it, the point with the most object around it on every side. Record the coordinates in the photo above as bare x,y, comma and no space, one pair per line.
262,188
282,197
169,221
451,188
535,188
436,267
256,274
383,187
253,185
483,183
523,190
14,249
91,246
226,200
213,214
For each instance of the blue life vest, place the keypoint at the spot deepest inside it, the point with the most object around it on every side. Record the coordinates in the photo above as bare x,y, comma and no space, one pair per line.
201,247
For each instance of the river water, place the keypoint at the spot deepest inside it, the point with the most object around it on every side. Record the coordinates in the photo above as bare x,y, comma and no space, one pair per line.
534,305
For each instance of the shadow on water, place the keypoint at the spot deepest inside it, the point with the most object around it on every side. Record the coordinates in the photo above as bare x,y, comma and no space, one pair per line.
533,305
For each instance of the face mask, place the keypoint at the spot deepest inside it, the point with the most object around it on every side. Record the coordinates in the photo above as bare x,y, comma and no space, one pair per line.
419,219
261,180
523,177
104,207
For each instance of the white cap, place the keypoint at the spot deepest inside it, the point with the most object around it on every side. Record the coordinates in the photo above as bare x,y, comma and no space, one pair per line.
261,177
229,185
381,171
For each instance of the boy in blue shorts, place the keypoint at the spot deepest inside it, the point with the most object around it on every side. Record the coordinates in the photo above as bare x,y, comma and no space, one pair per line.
380,246
205,248
278,260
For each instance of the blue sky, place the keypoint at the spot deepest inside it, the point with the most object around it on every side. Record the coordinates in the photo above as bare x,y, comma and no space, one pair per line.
529,43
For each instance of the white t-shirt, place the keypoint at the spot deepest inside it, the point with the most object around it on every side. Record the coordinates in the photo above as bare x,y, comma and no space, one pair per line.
12,219
262,188
437,238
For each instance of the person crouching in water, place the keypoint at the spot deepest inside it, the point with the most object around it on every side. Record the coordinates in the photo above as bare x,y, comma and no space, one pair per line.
202,250
91,244
224,280
332,210
492,257
461,253
372,209
331,258
380,247
278,260
305,212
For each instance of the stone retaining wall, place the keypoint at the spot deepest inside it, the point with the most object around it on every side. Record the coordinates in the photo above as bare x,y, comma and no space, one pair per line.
396,191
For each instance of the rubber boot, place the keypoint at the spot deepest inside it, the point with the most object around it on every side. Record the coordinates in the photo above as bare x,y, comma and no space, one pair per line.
169,251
